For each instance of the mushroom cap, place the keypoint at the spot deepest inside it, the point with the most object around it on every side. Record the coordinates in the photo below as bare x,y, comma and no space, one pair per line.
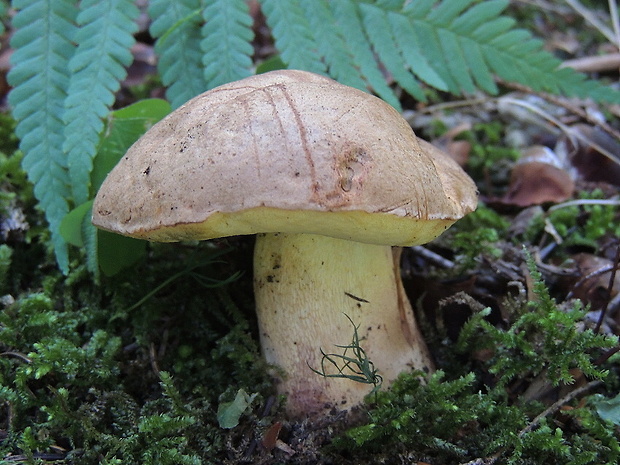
285,151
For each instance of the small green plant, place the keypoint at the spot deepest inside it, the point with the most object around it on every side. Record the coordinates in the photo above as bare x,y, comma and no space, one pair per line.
356,367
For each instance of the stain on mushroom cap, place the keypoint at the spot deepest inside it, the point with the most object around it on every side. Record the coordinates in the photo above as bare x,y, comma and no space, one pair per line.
287,151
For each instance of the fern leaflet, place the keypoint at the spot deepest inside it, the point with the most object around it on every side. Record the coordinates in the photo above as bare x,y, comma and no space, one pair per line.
380,35
331,44
175,24
293,35
348,20
40,79
99,64
413,53
226,45
466,44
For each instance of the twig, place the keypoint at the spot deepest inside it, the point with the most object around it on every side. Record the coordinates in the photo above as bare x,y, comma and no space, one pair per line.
573,203
615,21
566,129
564,104
589,17
433,257
610,288
558,405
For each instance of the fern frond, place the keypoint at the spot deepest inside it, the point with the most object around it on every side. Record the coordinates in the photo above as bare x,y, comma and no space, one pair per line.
331,44
468,42
379,32
40,79
293,35
177,27
99,65
349,22
227,41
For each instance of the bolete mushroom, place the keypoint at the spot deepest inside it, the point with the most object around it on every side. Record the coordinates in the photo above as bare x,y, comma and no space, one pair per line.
330,178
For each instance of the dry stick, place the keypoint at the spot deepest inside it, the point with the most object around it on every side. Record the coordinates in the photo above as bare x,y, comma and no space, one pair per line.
558,405
615,21
570,132
567,106
589,17
534,423
610,288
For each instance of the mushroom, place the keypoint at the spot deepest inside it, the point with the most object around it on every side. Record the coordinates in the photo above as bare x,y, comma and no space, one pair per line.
329,178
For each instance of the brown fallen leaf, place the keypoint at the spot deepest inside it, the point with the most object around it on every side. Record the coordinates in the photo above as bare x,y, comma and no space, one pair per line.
593,153
537,179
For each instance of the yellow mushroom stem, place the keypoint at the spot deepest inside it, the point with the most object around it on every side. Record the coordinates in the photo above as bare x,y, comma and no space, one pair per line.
305,287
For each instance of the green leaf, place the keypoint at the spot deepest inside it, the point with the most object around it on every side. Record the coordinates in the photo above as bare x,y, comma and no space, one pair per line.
124,127
104,39
40,79
227,41
114,252
176,25
71,224
444,12
105,250
607,409
228,413
293,36
270,64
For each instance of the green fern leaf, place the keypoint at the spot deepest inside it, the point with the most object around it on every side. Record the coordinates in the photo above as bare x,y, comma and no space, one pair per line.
389,4
176,25
492,28
104,41
348,21
378,30
456,61
429,38
446,11
293,35
331,44
479,70
467,41
413,53
40,78
227,41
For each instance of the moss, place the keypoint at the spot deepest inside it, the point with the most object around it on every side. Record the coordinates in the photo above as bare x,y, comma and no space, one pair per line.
461,414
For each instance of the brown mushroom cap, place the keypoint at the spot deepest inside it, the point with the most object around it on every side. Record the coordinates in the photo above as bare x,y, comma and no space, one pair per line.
286,151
